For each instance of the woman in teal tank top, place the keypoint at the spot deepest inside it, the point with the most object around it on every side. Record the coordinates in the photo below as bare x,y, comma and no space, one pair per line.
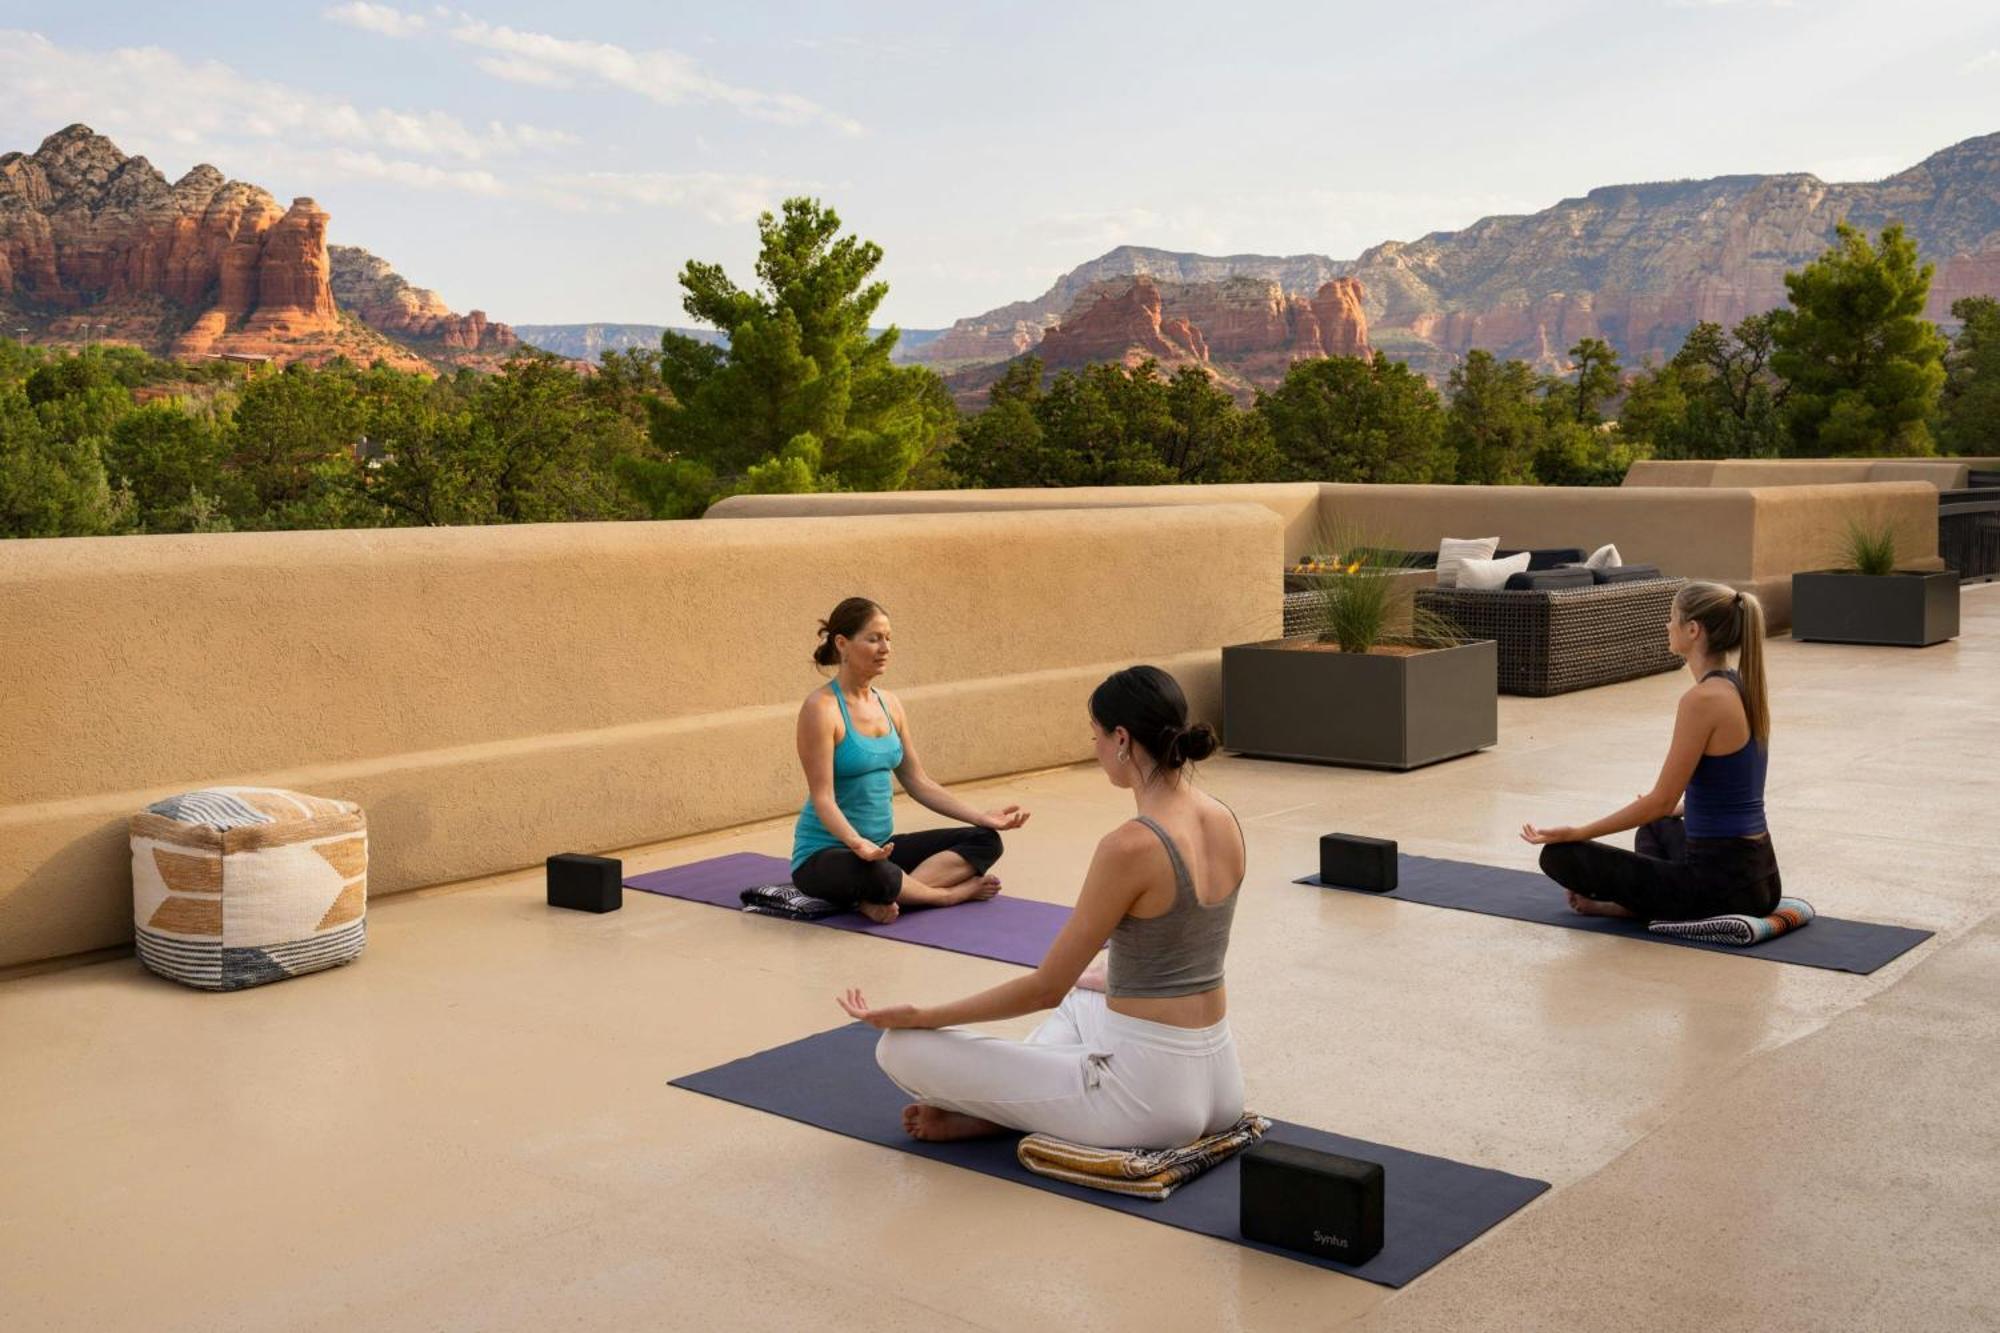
852,737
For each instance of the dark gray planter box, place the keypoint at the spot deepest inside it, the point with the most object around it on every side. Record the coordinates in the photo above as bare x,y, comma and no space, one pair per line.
1369,711
1910,608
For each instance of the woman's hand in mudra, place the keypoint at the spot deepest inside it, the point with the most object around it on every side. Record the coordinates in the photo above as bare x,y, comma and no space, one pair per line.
869,851
894,1016
1006,817
1529,833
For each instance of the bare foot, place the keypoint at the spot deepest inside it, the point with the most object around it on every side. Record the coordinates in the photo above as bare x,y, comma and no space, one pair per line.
978,890
880,913
934,1124
1583,906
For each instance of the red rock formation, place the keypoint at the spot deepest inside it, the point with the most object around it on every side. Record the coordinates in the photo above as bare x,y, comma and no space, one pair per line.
91,238
999,335
1343,324
95,245
1127,327
381,297
1246,329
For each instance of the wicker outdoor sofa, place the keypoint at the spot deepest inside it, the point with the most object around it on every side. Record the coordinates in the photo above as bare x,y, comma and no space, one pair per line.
1557,640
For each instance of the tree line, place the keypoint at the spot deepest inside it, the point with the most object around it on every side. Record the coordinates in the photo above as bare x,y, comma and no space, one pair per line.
805,398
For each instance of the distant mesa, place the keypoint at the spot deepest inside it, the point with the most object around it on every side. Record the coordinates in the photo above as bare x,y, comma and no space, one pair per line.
589,342
1636,265
98,246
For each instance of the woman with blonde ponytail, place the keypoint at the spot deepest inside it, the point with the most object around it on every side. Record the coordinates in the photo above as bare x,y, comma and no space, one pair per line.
1717,856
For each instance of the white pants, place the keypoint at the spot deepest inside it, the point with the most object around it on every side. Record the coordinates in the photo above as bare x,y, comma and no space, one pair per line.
1087,1075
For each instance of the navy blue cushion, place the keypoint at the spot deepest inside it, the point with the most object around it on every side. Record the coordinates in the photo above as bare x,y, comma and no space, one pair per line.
1626,573
1547,559
1547,580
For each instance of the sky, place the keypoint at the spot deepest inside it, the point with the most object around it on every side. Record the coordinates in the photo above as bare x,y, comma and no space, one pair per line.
560,163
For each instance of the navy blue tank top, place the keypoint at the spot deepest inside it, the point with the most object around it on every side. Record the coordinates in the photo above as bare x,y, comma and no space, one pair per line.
1725,797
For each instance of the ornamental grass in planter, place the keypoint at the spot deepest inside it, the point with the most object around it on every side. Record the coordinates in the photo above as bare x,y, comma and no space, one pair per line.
1380,683
1868,600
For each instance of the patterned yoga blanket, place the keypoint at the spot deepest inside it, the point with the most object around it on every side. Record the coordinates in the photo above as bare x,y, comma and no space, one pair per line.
786,901
1143,1173
1736,928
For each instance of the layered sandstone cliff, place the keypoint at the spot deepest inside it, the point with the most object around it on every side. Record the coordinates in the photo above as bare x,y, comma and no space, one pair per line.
367,286
1244,332
1012,329
98,246
1640,265
1636,265
1128,326
1246,328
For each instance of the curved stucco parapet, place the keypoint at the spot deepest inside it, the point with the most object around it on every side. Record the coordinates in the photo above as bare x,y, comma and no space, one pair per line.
1753,538
493,695
1944,474
1296,503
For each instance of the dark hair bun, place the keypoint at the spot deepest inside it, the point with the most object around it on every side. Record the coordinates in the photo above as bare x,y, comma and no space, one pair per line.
1148,703
825,654
1192,746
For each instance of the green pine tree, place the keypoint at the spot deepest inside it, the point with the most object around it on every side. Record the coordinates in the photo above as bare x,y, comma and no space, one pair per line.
1344,418
1969,409
803,397
1862,366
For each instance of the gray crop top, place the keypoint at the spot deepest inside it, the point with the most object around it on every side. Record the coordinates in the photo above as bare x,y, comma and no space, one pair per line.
1178,952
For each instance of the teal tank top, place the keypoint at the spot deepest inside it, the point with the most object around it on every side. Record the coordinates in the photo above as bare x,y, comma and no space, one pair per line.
861,786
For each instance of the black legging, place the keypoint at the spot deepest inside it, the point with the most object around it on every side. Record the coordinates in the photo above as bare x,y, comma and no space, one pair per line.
839,876
1672,877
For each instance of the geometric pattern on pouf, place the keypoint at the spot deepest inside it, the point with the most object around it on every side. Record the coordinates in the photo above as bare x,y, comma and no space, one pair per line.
237,886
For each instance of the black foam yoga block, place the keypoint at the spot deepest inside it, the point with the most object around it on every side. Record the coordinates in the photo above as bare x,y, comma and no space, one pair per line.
1315,1202
1354,862
586,883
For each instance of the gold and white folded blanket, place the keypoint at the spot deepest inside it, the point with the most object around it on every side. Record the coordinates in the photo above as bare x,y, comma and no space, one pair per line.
1142,1173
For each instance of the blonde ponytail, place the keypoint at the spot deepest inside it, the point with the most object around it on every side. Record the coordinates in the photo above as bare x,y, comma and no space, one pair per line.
1734,622
1750,666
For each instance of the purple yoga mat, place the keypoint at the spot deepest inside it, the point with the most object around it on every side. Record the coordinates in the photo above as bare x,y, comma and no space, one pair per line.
1012,930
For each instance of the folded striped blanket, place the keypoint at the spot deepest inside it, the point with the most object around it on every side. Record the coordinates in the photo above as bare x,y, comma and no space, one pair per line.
1143,1173
786,901
1736,928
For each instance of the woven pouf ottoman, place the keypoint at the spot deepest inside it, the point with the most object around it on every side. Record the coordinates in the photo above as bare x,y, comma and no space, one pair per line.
237,886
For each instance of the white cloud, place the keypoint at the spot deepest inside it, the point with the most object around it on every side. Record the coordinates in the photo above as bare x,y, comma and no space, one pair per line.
418,175
663,76
388,21
152,101
149,99
1983,62
720,197
1336,223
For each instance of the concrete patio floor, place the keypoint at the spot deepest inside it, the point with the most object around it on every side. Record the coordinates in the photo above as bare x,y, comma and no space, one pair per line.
471,1128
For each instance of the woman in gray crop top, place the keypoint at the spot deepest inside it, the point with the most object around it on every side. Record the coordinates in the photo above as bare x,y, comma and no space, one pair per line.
1138,1053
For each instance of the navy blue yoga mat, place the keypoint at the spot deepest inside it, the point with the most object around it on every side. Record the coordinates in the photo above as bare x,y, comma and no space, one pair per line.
1434,1206
1525,895
1013,930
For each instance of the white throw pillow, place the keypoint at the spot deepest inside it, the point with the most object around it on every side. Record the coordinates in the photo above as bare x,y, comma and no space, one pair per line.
1604,557
1453,550
1491,573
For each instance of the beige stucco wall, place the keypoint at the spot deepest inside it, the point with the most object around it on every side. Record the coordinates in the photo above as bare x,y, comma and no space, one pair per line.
1945,474
494,695
1750,538
1296,503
